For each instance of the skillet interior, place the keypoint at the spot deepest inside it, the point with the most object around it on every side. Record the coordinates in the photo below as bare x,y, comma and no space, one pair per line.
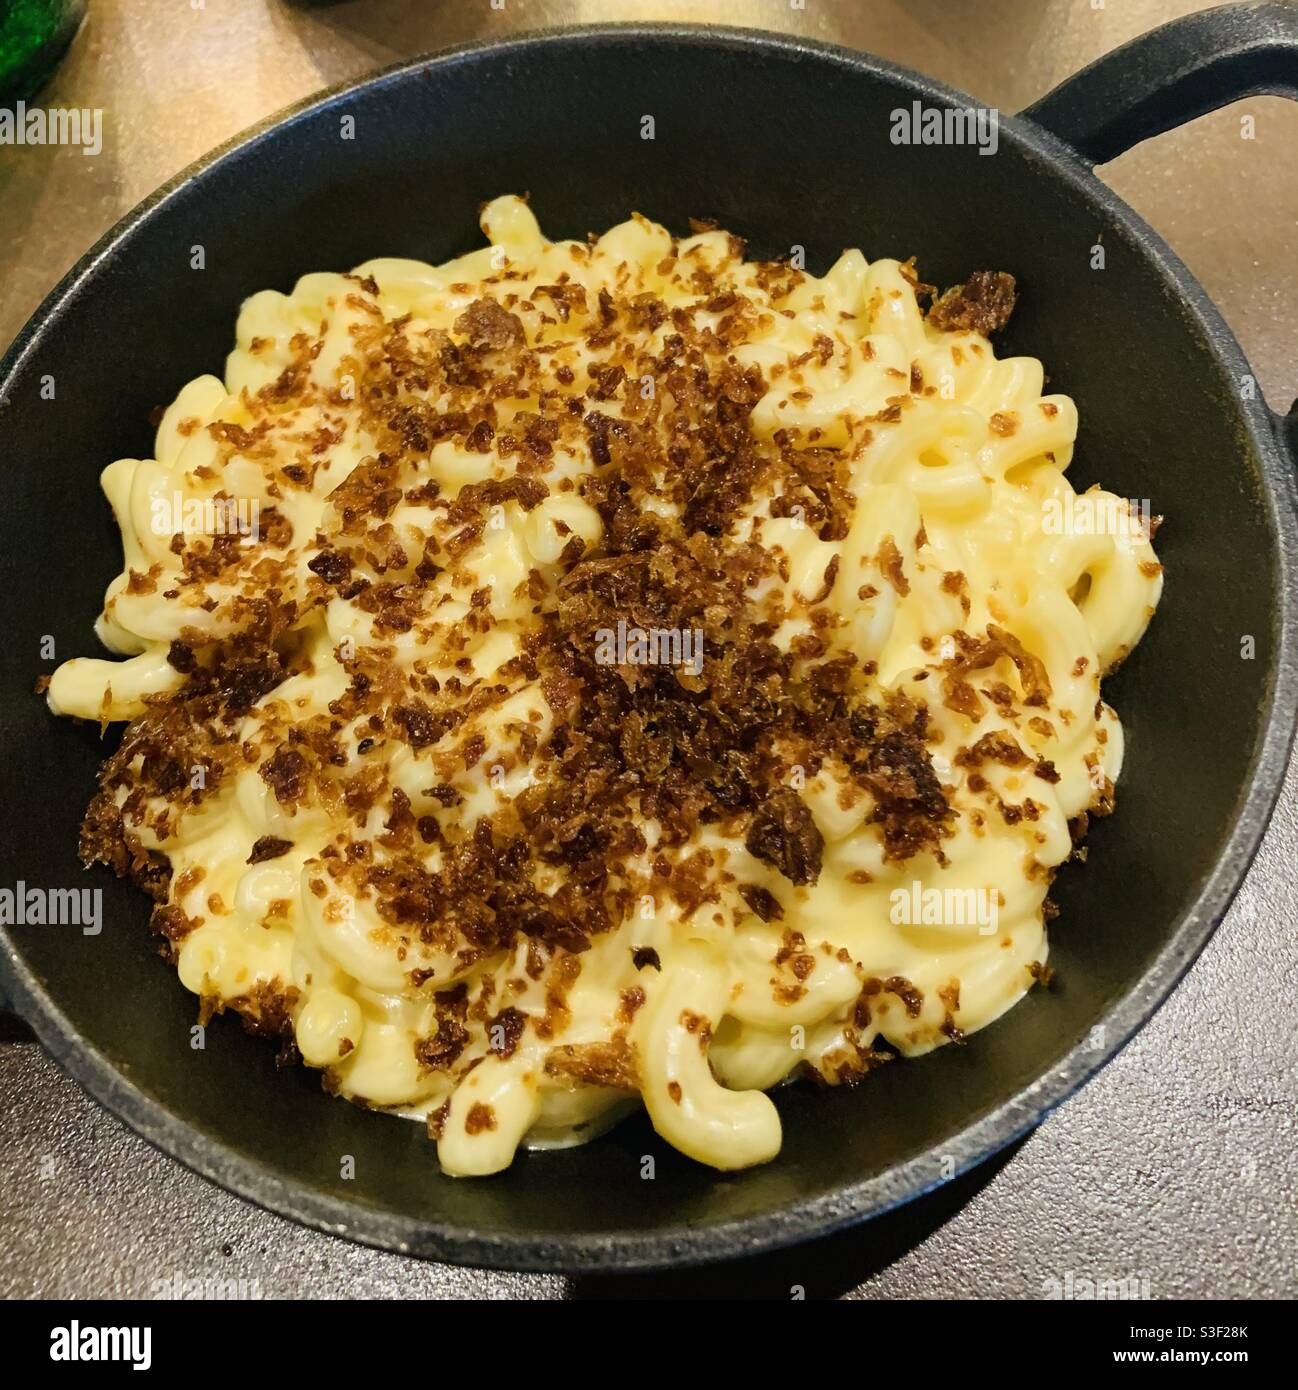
783,145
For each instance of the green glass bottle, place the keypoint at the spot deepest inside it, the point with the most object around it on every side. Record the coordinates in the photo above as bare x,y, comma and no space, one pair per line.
34,35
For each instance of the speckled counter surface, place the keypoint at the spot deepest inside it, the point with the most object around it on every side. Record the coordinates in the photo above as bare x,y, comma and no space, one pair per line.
1175,1166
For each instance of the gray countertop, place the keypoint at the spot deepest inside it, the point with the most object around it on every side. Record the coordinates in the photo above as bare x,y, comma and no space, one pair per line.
1175,1166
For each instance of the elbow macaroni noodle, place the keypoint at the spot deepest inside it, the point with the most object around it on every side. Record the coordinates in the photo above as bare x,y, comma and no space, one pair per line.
956,462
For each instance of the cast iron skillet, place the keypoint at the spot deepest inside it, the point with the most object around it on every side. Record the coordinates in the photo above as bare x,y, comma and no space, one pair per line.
786,142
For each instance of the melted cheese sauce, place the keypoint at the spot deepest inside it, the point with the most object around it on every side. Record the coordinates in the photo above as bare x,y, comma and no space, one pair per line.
961,479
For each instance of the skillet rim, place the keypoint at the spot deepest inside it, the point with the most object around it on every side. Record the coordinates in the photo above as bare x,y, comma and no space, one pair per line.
780,1227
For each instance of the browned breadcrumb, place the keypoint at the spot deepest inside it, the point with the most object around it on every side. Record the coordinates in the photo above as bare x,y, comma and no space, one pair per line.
479,1119
610,1063
983,304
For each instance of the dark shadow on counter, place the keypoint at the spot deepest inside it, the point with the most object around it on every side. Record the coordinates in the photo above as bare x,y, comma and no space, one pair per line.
821,1269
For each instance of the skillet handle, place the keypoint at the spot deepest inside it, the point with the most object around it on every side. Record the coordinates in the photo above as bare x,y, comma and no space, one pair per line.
1171,75
1168,77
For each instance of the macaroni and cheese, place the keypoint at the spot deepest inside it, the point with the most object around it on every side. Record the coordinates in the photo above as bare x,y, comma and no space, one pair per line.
595,673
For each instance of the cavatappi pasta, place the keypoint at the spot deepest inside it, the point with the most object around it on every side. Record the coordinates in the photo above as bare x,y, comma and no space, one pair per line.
595,672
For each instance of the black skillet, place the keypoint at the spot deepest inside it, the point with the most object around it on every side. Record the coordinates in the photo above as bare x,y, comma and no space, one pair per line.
786,142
